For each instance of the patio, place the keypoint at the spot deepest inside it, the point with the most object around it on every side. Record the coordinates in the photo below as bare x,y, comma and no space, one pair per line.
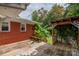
30,48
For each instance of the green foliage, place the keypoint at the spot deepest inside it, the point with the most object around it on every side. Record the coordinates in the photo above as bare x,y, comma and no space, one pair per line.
56,12
41,31
35,16
44,29
50,40
67,31
72,10
39,15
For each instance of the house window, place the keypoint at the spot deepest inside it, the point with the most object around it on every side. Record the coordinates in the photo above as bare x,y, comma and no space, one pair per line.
23,28
5,27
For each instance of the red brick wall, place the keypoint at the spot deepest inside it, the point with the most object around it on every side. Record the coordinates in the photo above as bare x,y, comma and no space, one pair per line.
15,35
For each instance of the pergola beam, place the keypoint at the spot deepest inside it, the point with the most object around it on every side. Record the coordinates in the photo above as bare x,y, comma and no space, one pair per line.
65,22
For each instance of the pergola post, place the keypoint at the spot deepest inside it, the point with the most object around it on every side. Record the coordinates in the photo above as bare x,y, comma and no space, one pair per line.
53,26
76,24
78,37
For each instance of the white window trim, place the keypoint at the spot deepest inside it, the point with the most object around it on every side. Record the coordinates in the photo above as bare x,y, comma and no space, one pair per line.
20,27
8,26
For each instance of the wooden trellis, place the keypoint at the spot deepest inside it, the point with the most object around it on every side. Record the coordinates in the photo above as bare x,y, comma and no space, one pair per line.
73,21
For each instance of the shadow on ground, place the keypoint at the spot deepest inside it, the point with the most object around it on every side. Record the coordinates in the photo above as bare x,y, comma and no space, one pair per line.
49,50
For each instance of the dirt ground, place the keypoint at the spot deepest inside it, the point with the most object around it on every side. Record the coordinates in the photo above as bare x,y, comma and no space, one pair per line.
30,48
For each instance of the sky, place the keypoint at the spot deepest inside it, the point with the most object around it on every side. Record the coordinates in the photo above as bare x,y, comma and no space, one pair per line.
35,6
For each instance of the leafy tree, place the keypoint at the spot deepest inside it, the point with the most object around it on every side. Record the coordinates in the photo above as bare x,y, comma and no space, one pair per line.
41,30
56,12
39,15
72,10
35,16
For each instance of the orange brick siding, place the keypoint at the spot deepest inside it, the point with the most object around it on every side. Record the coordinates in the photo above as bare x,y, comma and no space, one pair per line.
15,35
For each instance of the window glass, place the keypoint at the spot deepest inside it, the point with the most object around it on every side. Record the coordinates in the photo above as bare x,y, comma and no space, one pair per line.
5,26
23,27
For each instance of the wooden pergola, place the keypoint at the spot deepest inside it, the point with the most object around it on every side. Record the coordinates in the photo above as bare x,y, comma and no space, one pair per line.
73,21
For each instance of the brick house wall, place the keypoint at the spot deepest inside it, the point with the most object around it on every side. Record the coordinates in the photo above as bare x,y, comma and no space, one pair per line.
15,35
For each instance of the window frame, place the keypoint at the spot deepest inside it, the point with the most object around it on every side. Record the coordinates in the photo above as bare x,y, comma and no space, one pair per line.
21,27
8,26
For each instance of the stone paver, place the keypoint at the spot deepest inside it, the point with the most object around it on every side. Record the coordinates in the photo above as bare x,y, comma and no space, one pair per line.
30,48
27,50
